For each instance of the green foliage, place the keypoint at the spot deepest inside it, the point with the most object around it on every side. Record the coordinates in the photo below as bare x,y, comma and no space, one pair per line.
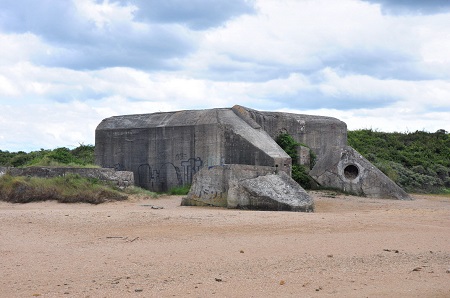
300,175
62,155
67,189
418,161
289,145
299,172
179,190
82,156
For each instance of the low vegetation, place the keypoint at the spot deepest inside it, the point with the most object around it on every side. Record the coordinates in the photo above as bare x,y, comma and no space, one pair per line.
67,189
139,192
82,156
179,190
417,161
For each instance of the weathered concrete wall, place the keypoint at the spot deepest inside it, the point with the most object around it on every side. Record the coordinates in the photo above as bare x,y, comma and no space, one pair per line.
247,187
120,178
347,170
166,149
304,157
321,134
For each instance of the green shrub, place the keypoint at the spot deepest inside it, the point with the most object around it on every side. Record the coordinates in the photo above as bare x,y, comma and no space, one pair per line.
417,161
289,145
62,155
300,175
19,159
299,172
179,190
82,156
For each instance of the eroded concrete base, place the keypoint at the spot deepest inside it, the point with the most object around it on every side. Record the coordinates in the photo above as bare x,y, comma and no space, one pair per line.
247,187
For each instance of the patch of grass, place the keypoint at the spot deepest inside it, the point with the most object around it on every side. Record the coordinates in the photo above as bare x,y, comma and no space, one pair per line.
141,192
446,191
67,189
49,162
179,190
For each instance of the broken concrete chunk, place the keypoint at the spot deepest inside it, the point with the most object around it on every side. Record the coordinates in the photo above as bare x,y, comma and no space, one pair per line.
275,192
247,187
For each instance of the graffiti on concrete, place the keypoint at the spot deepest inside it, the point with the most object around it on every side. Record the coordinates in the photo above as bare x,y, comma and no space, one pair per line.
207,192
182,173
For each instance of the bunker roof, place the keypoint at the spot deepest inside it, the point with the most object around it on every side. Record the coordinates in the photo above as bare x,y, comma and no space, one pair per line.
198,117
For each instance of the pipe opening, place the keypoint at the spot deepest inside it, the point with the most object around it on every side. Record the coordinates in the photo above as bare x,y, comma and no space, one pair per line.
351,172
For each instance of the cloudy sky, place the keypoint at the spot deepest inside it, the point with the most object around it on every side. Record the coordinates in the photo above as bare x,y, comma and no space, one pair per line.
67,64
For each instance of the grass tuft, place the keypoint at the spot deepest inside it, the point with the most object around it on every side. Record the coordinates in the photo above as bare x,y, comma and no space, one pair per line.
140,192
179,190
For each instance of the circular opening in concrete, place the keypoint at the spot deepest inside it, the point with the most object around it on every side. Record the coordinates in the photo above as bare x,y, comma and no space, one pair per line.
351,172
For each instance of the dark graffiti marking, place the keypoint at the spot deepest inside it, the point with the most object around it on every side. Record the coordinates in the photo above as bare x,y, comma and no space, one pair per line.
181,156
149,176
206,192
190,167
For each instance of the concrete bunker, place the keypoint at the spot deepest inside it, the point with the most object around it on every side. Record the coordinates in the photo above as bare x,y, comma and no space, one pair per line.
166,150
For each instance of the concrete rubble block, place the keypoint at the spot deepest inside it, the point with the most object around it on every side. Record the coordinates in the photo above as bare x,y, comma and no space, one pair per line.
349,171
275,192
247,187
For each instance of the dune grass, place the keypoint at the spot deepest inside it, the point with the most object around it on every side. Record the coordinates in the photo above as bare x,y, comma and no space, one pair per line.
68,189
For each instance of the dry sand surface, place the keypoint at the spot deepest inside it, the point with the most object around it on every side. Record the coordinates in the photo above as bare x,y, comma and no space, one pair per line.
350,247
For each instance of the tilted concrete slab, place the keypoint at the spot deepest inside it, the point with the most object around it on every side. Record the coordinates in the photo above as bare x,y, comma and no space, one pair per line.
247,187
349,171
275,192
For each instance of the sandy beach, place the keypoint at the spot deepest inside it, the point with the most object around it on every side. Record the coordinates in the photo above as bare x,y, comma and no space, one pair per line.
349,247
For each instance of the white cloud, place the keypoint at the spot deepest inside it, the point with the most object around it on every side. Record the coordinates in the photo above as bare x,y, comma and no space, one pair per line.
72,65
106,14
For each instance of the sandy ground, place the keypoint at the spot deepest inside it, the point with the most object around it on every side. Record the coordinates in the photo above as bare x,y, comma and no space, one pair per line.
350,247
